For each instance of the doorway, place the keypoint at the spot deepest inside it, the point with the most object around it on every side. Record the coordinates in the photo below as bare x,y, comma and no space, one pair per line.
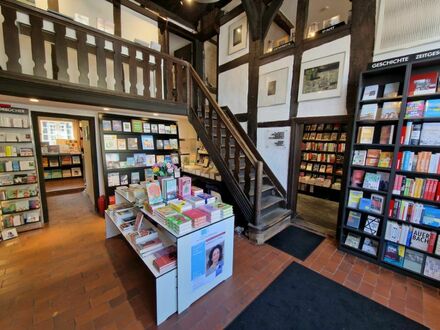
319,174
66,156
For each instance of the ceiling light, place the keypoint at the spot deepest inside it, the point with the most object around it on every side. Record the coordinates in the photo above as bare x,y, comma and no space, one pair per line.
34,100
155,114
106,109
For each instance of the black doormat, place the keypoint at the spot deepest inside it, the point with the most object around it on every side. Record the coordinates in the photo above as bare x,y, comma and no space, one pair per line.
297,242
302,299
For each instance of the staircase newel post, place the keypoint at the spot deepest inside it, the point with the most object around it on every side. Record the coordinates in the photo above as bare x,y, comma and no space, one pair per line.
258,189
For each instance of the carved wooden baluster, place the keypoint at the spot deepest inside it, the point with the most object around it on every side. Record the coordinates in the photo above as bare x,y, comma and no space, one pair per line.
132,64
247,177
219,131
237,161
211,122
179,83
117,66
227,148
101,62
37,44
257,192
62,63
158,77
202,108
82,57
146,74
169,80
10,37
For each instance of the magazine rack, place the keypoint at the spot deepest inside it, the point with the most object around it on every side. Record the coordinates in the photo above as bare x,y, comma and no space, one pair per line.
178,288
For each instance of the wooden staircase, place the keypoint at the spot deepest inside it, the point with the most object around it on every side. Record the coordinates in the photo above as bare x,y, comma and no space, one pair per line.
256,190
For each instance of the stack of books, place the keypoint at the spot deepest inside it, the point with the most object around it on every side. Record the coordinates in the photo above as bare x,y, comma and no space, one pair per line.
153,207
197,217
180,205
184,187
179,223
196,191
166,259
209,199
149,247
195,201
213,213
127,226
164,212
226,209
145,235
125,214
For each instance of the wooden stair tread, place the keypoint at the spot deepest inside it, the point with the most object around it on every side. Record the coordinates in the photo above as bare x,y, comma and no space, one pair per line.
268,201
272,218
264,188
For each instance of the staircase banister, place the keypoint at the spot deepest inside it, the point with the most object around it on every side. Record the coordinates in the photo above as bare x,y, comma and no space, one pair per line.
28,9
252,146
231,127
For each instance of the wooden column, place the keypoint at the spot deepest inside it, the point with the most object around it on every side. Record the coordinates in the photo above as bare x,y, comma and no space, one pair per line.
164,35
255,50
117,17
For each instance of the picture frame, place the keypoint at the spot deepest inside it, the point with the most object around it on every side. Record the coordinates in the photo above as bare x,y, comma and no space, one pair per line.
237,35
321,78
273,87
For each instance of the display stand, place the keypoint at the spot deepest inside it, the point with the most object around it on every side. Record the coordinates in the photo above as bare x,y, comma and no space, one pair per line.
178,288
397,251
73,168
20,204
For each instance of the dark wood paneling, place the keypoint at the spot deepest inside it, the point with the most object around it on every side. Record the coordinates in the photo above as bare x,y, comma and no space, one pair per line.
255,49
82,58
101,63
277,54
146,74
233,64
37,45
132,65
10,37
231,14
61,53
117,67
283,22
117,17
279,123
241,117
158,71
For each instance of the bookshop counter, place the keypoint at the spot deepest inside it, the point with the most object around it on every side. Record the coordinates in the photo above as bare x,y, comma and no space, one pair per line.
177,288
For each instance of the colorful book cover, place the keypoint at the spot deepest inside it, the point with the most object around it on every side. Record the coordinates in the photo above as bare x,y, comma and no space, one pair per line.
169,188
385,159
365,204
136,125
354,198
117,125
390,111
354,219
370,246
432,268
146,127
372,225
122,144
126,126
150,160
368,112
371,181
424,83
365,134
357,178
430,134
394,254
184,184
110,142
154,193
370,92
432,109
352,240
415,109
147,142
413,260
132,143
359,157
386,134
162,129
106,125
391,89
195,214
420,239
140,160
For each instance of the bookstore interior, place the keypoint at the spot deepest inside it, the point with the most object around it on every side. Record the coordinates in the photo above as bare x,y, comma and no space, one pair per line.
183,184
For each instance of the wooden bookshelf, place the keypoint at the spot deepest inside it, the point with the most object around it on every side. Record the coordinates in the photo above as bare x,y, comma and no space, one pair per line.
401,73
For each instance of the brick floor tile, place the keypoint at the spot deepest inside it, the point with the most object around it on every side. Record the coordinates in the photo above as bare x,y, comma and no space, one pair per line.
366,289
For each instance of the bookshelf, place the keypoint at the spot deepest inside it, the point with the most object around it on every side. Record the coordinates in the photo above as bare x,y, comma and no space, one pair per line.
20,203
62,166
322,160
132,145
394,168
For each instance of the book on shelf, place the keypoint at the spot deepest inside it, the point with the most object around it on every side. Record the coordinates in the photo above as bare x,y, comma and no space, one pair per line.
371,181
198,218
106,125
149,247
386,134
431,216
415,109
359,157
126,126
154,192
368,112
365,134
390,111
165,212
370,92
357,178
144,235
385,159
154,128
132,143
432,268
147,142
413,260
391,89
76,171
165,258
53,162
113,179
373,156
372,225
117,125
432,109
354,198
352,240
394,254
179,223
353,219
430,134
146,127
135,177
421,239
110,142
424,83
437,248
136,125
180,205
169,188
370,246
122,144
424,162
416,187
377,203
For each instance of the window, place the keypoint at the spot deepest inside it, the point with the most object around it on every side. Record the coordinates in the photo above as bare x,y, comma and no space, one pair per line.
51,130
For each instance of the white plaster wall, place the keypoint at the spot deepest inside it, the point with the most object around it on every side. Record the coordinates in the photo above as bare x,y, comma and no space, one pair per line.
280,111
210,62
233,89
177,42
276,159
137,26
274,33
224,56
91,9
335,106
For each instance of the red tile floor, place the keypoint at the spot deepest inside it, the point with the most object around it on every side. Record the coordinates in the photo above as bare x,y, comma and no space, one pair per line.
68,276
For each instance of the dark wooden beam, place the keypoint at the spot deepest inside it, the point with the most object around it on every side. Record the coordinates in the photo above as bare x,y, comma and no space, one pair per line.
283,22
231,14
269,14
209,25
117,17
233,64
260,15
53,5
255,50
164,35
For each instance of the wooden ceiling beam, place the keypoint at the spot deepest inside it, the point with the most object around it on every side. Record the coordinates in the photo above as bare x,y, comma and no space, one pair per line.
283,22
260,15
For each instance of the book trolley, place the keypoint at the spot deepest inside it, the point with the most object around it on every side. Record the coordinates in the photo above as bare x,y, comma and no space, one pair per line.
391,213
177,288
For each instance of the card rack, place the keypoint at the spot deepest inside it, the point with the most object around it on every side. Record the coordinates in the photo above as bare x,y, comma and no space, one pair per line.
358,234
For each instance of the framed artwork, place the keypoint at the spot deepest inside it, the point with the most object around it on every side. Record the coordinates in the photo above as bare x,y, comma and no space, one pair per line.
273,87
321,78
237,36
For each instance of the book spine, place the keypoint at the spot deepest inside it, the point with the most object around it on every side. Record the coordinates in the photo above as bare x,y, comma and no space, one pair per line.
431,243
409,236
408,132
437,193
391,209
402,135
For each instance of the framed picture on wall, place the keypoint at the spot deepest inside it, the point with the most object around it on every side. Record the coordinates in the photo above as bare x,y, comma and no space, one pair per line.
321,78
273,88
237,36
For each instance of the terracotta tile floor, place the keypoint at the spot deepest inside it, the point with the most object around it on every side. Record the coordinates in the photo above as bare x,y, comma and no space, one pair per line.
68,276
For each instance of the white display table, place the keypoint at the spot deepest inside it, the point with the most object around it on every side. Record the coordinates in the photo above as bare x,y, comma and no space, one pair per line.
195,275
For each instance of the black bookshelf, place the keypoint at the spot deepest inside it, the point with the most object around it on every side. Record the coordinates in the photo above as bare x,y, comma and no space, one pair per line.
402,74
322,145
60,167
123,154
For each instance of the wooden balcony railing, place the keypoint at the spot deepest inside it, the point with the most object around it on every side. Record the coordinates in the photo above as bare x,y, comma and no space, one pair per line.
67,51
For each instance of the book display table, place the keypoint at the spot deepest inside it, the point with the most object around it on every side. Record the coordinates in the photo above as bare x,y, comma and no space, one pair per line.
178,287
